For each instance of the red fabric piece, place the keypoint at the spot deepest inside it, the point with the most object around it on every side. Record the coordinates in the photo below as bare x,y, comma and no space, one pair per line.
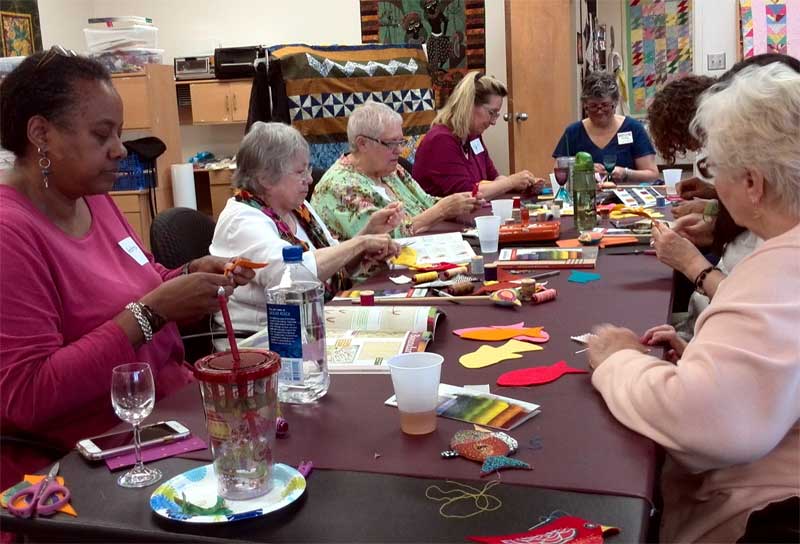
436,267
537,375
561,530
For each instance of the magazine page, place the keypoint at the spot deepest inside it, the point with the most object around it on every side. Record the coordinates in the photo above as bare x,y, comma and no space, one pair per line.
439,248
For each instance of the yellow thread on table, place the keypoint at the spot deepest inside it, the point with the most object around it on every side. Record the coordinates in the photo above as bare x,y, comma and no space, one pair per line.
483,501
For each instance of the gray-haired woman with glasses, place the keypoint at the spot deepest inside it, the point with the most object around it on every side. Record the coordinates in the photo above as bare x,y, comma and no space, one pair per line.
369,179
605,135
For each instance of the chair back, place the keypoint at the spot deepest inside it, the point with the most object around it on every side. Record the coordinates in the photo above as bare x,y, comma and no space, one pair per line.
179,235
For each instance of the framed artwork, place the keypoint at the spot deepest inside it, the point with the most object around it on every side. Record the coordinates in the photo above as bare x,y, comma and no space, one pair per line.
451,31
660,47
20,31
769,26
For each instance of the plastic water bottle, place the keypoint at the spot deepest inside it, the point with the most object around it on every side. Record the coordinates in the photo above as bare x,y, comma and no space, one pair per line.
296,329
584,193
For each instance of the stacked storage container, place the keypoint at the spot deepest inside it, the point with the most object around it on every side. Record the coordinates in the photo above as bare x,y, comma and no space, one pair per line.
123,44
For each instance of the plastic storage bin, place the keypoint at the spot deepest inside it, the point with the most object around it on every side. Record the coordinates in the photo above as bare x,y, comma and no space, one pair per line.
138,36
129,60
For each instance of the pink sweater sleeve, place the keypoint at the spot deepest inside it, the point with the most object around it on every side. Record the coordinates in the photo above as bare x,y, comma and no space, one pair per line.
735,393
39,377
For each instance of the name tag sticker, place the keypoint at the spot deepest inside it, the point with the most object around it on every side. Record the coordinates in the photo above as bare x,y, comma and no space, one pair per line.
625,138
477,146
136,253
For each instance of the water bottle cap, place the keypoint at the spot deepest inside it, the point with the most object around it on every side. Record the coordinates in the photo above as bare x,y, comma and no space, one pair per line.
583,162
292,254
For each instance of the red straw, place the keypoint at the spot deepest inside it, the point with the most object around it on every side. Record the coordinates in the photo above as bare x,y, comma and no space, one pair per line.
223,306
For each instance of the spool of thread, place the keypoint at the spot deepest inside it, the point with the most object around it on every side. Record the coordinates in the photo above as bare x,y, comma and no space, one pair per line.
425,277
556,211
476,265
544,296
453,272
661,201
461,288
527,289
368,298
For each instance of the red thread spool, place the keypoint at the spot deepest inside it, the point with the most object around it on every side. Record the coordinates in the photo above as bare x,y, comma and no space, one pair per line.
368,298
544,296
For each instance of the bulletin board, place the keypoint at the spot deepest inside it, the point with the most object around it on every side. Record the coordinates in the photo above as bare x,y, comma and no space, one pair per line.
769,26
660,47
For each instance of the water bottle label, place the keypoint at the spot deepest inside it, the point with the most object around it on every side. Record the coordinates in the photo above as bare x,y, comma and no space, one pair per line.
285,339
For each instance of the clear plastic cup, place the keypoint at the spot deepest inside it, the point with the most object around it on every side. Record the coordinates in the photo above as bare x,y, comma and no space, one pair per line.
502,208
488,232
671,178
241,407
415,377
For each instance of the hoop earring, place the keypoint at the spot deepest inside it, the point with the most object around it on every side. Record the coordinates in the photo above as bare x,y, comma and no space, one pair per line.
44,165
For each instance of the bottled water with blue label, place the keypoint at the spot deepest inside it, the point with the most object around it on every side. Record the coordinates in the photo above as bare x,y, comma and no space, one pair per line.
296,329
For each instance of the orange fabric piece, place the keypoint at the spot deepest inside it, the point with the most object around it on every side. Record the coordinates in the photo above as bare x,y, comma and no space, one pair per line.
608,241
491,334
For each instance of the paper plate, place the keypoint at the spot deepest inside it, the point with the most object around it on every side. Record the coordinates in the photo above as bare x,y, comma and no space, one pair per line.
198,486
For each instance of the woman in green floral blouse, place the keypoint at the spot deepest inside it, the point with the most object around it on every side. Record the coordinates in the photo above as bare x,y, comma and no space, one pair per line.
369,178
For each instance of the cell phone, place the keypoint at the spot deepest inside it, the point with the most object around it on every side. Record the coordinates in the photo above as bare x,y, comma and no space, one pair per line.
110,445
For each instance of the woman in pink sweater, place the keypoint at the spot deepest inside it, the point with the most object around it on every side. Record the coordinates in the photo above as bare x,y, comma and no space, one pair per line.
727,412
78,294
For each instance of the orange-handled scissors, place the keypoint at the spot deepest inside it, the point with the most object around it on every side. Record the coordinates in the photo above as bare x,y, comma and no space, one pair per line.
244,263
44,497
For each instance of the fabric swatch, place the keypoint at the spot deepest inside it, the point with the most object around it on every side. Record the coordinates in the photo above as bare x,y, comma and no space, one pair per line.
537,375
579,276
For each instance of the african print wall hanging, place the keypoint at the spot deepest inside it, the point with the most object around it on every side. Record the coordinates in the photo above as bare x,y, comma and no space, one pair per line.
770,26
660,47
452,31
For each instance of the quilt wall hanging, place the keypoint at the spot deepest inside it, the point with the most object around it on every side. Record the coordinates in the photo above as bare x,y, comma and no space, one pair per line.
315,89
20,29
770,26
660,47
453,32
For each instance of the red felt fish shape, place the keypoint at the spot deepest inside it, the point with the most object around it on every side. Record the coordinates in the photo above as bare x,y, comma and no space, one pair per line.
537,375
558,531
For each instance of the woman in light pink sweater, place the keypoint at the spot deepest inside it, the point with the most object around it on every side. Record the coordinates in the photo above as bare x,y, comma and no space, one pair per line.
727,412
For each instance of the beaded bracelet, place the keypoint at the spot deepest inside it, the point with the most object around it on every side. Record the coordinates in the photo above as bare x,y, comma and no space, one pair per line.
136,309
156,320
701,277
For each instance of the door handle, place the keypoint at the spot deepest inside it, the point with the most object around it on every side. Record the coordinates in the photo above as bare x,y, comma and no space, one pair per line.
522,116
234,103
505,117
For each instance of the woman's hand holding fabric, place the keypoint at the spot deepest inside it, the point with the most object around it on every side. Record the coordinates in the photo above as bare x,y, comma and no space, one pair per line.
665,335
677,252
385,220
608,340
188,297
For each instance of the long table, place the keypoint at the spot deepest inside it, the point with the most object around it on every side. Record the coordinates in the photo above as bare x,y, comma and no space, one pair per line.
370,480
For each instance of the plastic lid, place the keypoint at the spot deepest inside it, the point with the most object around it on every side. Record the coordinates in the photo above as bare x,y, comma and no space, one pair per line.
292,254
253,364
583,162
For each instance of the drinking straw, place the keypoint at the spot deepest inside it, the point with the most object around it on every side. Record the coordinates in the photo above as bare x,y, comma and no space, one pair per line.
223,306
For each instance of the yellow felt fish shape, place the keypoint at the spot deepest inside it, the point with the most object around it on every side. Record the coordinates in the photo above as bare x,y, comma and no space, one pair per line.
489,355
407,257
496,334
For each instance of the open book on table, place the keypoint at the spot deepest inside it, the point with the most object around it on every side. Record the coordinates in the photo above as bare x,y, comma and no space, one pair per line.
481,408
361,339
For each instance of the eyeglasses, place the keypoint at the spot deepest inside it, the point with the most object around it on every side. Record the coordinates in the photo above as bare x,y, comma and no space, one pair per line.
53,52
598,106
706,168
493,114
392,145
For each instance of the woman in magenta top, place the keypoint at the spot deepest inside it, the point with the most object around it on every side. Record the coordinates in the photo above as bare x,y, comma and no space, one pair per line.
78,293
452,157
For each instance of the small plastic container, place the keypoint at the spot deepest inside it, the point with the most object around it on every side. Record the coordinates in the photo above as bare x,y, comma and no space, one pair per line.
104,40
129,60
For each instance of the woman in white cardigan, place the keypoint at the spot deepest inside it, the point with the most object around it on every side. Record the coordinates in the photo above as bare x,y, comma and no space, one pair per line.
727,411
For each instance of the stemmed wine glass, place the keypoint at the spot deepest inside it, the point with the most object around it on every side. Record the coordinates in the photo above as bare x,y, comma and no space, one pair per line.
561,171
133,395
609,162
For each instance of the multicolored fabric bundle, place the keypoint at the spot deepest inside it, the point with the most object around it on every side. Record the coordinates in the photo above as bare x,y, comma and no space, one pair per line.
317,88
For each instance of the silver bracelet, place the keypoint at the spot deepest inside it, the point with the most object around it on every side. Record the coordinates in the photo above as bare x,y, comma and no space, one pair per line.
136,309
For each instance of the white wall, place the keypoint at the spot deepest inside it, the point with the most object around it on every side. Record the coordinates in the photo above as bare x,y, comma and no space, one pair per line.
715,31
190,27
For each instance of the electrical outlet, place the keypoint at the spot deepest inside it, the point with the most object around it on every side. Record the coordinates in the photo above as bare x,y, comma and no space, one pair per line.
716,62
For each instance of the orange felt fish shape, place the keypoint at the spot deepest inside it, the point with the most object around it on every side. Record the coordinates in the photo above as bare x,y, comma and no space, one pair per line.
244,263
491,334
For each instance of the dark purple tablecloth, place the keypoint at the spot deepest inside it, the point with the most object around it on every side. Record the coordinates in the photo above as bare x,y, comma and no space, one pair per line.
583,448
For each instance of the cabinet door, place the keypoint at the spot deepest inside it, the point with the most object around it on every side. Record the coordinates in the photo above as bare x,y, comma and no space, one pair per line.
240,99
211,102
136,110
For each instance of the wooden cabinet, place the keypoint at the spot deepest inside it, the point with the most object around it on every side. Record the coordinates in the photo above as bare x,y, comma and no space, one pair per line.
149,104
219,102
135,206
